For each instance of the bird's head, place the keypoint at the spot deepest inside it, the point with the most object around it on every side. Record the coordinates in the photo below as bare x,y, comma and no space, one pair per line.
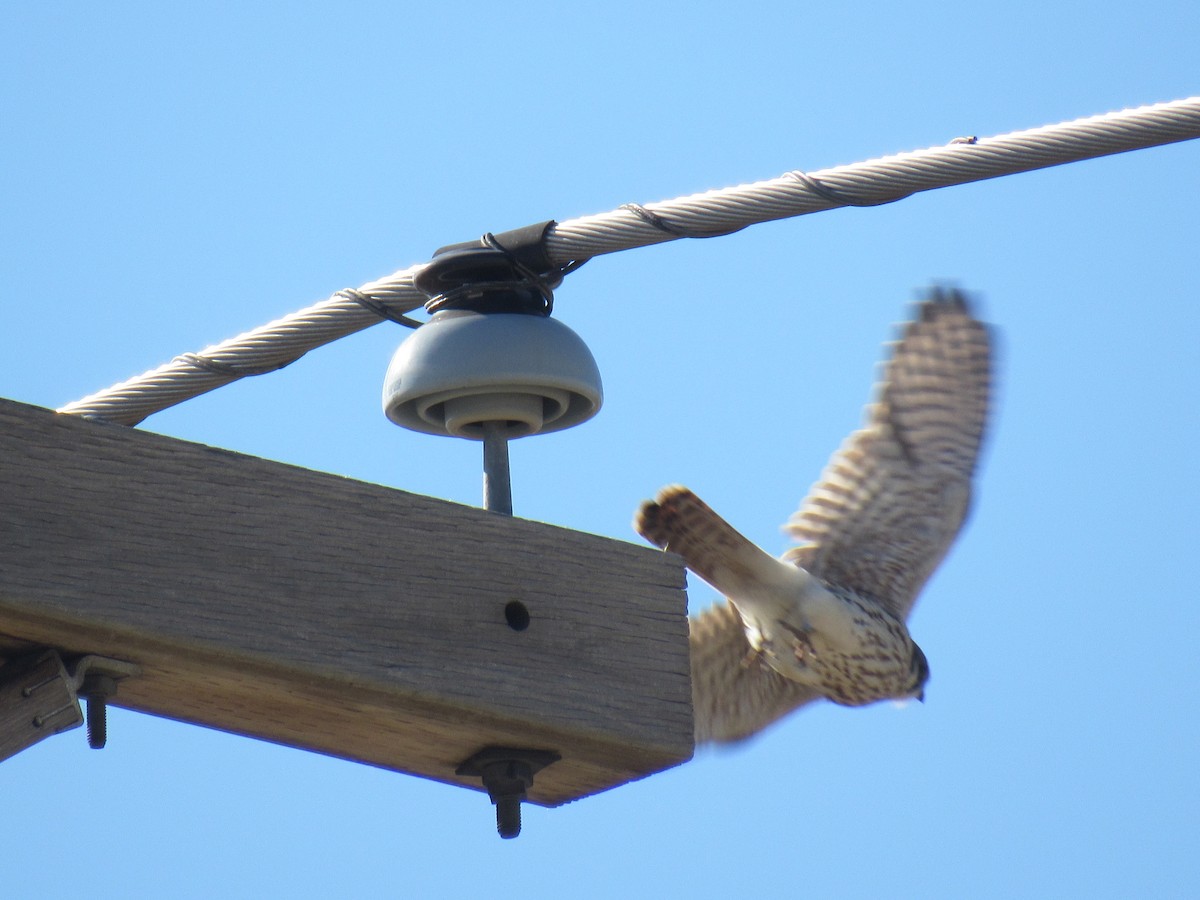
919,671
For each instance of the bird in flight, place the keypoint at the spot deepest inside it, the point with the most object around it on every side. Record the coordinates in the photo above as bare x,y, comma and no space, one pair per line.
828,618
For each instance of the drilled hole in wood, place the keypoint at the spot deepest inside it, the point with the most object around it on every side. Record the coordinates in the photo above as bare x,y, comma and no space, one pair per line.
516,615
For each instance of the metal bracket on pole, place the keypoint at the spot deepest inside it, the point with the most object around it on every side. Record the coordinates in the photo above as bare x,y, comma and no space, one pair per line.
39,697
37,700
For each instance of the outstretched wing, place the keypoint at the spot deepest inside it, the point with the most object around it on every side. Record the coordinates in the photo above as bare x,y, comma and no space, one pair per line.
733,696
880,519
893,498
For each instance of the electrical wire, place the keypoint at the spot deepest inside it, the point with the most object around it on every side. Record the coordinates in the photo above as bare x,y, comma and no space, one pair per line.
709,214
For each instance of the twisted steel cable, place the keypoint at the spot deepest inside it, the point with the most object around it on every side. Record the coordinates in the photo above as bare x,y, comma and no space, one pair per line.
707,214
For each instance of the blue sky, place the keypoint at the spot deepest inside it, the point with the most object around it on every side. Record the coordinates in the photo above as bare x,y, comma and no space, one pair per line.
172,175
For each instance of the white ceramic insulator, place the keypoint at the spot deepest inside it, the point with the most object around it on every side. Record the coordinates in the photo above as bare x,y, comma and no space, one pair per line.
461,369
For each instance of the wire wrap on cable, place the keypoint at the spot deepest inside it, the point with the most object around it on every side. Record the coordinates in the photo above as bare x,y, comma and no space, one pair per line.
654,220
225,370
959,161
837,197
378,308
711,213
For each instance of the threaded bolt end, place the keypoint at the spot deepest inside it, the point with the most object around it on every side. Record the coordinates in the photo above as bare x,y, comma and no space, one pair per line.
97,689
508,816
97,723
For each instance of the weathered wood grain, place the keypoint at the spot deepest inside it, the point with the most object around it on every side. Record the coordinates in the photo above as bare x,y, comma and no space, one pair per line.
337,616
37,701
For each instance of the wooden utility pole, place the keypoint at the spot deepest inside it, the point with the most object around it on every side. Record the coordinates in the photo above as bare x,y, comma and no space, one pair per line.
338,616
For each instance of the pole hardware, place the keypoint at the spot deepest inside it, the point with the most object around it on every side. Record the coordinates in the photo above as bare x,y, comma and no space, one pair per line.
95,679
507,775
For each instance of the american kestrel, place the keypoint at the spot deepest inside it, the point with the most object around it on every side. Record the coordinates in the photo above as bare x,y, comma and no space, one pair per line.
828,618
